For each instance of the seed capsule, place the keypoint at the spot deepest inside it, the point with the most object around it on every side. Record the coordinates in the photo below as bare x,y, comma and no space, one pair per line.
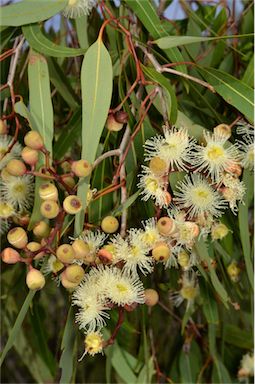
49,209
112,124
41,229
161,252
69,181
158,166
10,256
110,224
17,237
166,226
151,297
81,249
65,253
16,167
74,273
30,156
81,168
48,191
34,140
72,204
35,279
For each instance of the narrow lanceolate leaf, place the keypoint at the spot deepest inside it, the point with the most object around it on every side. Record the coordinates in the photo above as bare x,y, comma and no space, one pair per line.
30,11
16,328
169,92
233,91
38,41
244,225
67,346
145,11
96,86
41,113
248,77
175,41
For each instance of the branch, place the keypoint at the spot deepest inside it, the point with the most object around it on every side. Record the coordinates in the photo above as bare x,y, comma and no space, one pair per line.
114,152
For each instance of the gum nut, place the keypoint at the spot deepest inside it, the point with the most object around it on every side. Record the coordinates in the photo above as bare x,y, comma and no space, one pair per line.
10,256
48,191
110,224
65,253
151,297
72,204
74,273
17,237
112,124
16,167
30,156
81,168
69,181
66,283
35,279
81,249
49,209
41,229
105,256
161,252
33,140
165,226
33,246
222,130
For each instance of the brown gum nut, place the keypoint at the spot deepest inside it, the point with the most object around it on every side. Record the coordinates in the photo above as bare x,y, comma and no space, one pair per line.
112,124
81,168
105,256
72,204
49,209
166,226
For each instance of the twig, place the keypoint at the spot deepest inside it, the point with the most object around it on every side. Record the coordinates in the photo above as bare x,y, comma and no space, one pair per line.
114,152
123,190
110,341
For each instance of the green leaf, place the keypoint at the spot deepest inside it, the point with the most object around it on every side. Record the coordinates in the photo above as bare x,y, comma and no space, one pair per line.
202,250
30,11
96,85
121,363
233,91
70,133
175,41
118,211
243,220
38,41
238,337
145,11
67,347
62,84
165,83
41,116
210,307
16,328
248,77
81,28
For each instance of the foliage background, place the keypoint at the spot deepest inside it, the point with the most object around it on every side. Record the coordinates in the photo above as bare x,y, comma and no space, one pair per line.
209,348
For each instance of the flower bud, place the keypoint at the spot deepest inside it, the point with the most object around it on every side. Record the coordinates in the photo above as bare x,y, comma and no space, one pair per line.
151,297
35,279
65,253
10,256
105,256
3,127
48,191
158,166
110,224
34,140
81,168
30,156
166,226
222,130
81,249
17,237
219,231
74,273
112,124
49,209
16,167
161,252
41,229
33,246
72,204
67,283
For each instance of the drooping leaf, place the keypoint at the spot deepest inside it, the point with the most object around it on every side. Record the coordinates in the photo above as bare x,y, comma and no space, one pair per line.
175,41
233,91
67,346
30,11
39,42
96,84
